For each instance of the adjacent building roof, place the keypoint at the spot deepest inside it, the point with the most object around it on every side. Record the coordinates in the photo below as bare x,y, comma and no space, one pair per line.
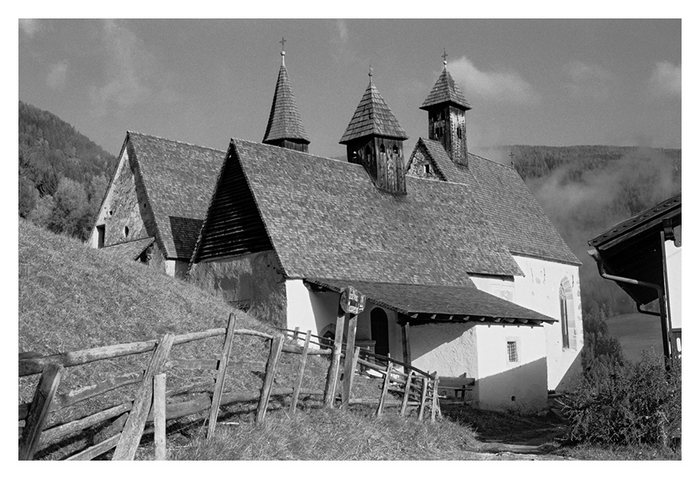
445,90
326,219
179,180
439,303
284,122
632,248
129,250
373,117
515,215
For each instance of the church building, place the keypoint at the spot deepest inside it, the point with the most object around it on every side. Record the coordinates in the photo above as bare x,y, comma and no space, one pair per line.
463,272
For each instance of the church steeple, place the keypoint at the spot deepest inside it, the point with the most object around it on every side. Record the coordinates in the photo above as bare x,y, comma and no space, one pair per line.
374,139
284,126
446,109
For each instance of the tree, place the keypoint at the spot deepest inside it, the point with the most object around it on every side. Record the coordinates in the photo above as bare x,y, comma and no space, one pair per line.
28,196
72,212
42,214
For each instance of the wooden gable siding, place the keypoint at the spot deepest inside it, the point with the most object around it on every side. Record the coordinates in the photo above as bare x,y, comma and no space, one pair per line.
233,226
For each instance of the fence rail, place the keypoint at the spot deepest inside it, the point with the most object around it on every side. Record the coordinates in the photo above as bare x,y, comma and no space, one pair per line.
150,405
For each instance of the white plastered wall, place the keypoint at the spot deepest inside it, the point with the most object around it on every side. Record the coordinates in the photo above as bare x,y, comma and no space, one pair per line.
539,290
673,273
502,384
316,310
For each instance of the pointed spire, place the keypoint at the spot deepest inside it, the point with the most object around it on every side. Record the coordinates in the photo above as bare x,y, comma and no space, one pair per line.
284,126
373,117
445,90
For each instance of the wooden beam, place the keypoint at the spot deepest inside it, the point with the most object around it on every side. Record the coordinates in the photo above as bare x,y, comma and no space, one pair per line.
332,379
385,388
406,343
96,450
300,378
39,410
423,396
133,429
270,369
406,392
435,405
221,375
159,416
349,379
349,353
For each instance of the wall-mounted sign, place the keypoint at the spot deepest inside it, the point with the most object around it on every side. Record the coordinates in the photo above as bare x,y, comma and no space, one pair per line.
352,301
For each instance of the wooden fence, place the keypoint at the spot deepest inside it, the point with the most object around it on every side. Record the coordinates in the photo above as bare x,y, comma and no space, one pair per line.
416,388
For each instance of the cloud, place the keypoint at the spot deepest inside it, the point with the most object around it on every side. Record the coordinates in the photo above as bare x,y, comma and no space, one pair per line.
665,81
126,66
506,86
342,30
29,26
588,81
56,78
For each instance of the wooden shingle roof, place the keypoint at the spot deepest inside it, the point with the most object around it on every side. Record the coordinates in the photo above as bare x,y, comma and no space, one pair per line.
129,250
439,303
515,215
445,90
284,122
178,179
373,117
326,219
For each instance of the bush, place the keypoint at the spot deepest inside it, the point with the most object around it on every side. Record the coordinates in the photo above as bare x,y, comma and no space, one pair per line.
626,404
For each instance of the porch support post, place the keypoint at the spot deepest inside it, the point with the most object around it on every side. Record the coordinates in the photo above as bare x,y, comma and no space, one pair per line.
405,340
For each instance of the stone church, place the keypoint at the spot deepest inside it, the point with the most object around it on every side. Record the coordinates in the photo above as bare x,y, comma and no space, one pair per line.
464,273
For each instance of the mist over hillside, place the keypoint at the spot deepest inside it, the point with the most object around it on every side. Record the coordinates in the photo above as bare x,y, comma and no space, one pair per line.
585,190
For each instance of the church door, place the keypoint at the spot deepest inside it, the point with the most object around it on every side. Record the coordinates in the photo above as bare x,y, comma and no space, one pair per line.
380,331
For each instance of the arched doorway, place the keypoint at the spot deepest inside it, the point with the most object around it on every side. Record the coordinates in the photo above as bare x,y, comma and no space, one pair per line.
380,331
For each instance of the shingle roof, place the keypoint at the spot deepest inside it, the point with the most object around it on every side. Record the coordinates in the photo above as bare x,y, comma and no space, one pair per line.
179,179
641,220
129,250
373,117
326,218
445,90
284,122
505,200
414,300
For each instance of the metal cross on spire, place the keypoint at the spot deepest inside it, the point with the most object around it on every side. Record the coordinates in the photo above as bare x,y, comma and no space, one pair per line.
283,41
444,57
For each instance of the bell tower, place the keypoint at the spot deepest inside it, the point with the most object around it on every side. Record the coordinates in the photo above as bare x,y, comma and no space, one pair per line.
284,126
446,109
374,139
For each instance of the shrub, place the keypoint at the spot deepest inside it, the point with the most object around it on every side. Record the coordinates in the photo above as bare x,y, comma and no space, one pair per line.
626,404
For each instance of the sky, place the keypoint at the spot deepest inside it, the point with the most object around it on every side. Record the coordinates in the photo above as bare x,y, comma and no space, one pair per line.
533,82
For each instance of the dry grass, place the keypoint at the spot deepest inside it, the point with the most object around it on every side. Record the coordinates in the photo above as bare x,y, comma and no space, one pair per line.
72,297
331,434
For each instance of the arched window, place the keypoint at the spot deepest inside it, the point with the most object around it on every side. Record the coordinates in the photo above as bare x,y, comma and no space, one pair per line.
566,312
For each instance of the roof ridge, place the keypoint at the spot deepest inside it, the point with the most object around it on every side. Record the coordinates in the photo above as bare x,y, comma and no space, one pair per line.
266,145
129,132
491,161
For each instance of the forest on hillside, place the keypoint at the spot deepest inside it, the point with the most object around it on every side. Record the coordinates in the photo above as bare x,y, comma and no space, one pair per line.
62,174
585,190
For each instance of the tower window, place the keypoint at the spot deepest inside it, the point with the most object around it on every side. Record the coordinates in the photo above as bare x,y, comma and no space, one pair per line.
459,132
126,232
426,168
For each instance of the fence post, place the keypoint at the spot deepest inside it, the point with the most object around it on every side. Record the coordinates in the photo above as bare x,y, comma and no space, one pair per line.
332,379
436,404
406,392
159,418
348,378
270,368
39,410
297,386
385,387
349,352
135,423
423,396
221,375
